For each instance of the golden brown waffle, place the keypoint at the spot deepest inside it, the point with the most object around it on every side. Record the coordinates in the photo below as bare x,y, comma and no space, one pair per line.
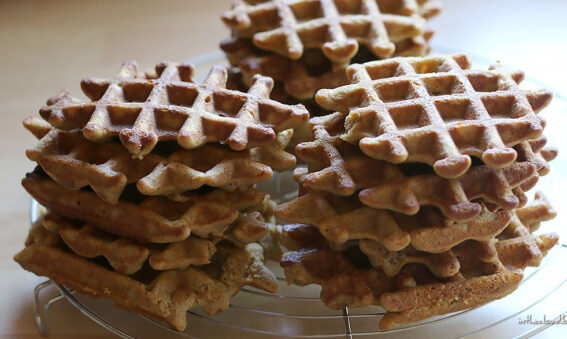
538,210
296,77
488,270
143,109
435,110
302,78
329,213
500,187
516,248
122,254
146,219
75,162
165,296
127,257
338,167
218,166
289,27
416,46
442,265
313,65
342,219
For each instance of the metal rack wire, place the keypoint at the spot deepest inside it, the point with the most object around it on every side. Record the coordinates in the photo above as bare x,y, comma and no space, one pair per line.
298,312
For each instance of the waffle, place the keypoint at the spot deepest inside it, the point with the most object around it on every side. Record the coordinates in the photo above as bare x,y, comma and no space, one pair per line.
122,254
301,79
143,109
126,256
338,167
441,265
294,75
428,8
146,219
488,270
535,151
217,166
75,162
538,210
165,296
499,188
289,27
416,46
343,219
435,110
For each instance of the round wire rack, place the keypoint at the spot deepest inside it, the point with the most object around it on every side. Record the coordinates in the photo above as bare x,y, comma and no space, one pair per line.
297,312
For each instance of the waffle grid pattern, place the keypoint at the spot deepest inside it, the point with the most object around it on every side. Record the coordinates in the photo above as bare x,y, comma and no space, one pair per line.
337,27
436,111
143,109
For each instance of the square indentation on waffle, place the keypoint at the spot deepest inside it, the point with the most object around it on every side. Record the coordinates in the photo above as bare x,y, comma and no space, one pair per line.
463,112
306,10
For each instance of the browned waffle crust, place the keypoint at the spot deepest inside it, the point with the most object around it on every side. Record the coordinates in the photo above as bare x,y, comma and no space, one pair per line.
412,196
162,295
335,27
483,270
150,188
259,46
143,109
437,111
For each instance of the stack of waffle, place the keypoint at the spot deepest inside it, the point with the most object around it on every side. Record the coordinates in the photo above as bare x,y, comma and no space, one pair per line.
149,187
305,45
413,195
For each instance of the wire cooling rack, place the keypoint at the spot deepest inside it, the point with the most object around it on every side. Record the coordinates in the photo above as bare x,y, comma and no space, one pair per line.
296,312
